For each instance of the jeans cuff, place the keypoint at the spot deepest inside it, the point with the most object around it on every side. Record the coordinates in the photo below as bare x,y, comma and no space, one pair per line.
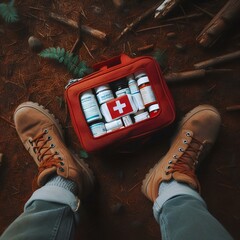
55,194
180,189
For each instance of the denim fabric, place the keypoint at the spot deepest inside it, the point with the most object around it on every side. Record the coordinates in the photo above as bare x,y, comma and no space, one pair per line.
55,194
42,220
186,217
50,214
171,189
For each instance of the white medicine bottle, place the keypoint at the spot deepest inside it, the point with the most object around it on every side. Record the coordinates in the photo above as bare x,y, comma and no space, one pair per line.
90,107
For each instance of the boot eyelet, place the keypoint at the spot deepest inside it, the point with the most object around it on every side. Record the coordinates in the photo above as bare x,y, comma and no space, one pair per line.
185,141
49,138
168,167
170,162
188,134
175,156
52,145
60,158
62,163
166,172
31,142
181,149
61,169
56,152
45,131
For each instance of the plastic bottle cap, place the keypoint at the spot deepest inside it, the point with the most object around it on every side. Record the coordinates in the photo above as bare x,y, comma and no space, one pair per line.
142,80
130,77
102,88
139,74
153,107
87,92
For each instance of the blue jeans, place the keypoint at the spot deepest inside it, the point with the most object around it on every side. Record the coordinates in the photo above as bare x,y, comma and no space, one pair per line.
186,217
181,217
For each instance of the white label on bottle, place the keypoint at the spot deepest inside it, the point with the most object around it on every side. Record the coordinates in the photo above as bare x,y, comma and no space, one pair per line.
98,129
122,92
147,95
133,86
114,125
90,108
127,121
104,96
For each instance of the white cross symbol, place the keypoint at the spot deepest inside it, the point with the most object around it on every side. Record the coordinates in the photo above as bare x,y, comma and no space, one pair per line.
119,107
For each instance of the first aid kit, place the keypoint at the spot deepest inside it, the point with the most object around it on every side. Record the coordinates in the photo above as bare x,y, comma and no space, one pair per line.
123,100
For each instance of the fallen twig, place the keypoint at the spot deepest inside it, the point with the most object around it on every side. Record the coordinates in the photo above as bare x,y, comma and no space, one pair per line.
194,15
129,47
165,7
73,24
134,186
137,21
219,24
146,48
155,27
9,122
78,41
203,10
217,60
188,75
85,45
233,108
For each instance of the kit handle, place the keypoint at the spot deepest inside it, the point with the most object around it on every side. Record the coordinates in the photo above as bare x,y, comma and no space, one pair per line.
121,59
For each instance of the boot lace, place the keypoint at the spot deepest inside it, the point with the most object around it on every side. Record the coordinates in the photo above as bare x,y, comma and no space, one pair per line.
45,156
186,163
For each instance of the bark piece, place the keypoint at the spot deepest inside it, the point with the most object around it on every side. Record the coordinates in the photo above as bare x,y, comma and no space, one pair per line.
219,24
217,60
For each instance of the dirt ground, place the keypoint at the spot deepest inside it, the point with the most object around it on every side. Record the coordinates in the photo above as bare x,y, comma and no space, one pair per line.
117,210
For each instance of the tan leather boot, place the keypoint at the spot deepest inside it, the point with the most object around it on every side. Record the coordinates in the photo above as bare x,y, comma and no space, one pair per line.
197,133
42,136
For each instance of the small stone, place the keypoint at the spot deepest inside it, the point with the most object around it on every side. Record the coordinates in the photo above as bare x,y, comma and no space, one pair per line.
119,3
117,208
180,47
171,35
35,44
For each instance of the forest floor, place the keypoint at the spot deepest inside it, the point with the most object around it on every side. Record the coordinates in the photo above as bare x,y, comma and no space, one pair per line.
25,76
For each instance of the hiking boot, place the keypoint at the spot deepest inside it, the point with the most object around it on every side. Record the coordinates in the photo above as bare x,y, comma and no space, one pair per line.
42,136
197,133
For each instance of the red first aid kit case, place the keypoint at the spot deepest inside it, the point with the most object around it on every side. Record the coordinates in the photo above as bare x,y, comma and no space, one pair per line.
124,99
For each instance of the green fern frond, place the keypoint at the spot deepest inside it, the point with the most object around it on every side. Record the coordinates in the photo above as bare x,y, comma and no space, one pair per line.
70,60
9,12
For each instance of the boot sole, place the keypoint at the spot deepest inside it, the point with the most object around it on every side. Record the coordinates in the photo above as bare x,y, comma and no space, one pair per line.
184,120
45,111
89,176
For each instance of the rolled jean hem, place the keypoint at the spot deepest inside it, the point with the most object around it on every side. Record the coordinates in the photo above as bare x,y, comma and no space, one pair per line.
168,194
55,194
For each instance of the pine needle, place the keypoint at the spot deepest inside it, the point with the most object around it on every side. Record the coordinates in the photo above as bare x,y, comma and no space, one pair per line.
9,12
70,60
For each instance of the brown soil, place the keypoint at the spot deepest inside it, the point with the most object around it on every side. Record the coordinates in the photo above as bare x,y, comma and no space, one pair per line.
26,77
